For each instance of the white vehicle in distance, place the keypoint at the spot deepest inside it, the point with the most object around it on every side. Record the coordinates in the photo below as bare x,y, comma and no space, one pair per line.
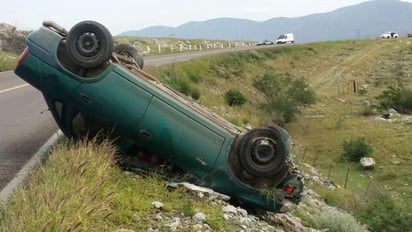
264,42
389,34
285,38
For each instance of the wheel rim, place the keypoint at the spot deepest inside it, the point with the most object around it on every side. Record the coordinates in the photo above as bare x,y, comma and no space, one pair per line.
263,152
88,44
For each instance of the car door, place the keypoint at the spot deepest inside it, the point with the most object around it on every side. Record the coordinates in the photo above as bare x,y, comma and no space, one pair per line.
112,101
180,137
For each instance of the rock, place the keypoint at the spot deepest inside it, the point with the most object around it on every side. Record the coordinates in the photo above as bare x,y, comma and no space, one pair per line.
157,205
174,226
317,116
200,195
229,209
367,162
152,230
203,191
292,223
396,162
199,217
197,227
392,111
246,220
158,217
242,212
408,118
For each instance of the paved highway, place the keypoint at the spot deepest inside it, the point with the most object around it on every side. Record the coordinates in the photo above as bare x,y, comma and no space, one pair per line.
25,124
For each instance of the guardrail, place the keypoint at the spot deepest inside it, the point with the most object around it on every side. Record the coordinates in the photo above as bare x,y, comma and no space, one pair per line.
169,48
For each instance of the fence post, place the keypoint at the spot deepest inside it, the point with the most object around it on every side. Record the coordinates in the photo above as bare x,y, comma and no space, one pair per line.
159,48
346,180
354,86
315,159
303,155
330,169
367,187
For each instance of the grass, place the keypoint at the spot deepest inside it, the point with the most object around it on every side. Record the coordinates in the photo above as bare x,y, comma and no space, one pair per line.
8,61
71,191
323,217
80,187
336,70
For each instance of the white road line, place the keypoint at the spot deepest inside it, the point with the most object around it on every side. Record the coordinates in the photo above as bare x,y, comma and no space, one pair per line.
13,88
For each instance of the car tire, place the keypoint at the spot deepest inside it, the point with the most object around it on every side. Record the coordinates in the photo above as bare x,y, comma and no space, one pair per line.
263,151
89,44
130,52
284,135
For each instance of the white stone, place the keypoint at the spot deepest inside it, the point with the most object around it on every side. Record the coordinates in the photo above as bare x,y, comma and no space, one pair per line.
367,162
157,204
199,216
229,209
242,212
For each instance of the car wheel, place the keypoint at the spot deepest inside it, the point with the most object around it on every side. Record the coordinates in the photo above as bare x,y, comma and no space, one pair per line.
89,44
262,151
285,137
129,52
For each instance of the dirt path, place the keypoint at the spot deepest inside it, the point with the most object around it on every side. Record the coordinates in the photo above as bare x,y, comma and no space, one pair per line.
341,72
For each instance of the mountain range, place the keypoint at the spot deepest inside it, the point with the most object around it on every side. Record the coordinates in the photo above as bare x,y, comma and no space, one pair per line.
365,20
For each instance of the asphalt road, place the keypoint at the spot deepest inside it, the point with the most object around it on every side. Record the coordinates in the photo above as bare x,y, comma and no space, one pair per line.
25,124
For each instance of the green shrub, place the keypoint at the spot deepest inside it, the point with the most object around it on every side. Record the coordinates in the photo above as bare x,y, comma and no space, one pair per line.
234,97
398,98
14,41
181,84
337,222
187,209
368,110
355,149
285,95
325,218
8,61
195,93
384,213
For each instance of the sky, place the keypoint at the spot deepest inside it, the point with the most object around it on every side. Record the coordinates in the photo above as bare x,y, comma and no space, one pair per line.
124,15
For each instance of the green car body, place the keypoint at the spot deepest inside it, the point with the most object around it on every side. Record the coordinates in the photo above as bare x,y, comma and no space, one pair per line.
142,111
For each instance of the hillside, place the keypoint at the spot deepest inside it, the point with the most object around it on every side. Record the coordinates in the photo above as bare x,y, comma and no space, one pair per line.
347,76
365,20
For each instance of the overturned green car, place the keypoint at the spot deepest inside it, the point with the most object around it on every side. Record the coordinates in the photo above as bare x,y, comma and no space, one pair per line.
90,86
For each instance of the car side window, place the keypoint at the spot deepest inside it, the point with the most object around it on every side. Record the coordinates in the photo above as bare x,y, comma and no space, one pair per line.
86,126
79,125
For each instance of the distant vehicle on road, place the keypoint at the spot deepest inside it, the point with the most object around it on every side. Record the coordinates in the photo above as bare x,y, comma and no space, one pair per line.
390,34
285,38
264,42
410,34
93,87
